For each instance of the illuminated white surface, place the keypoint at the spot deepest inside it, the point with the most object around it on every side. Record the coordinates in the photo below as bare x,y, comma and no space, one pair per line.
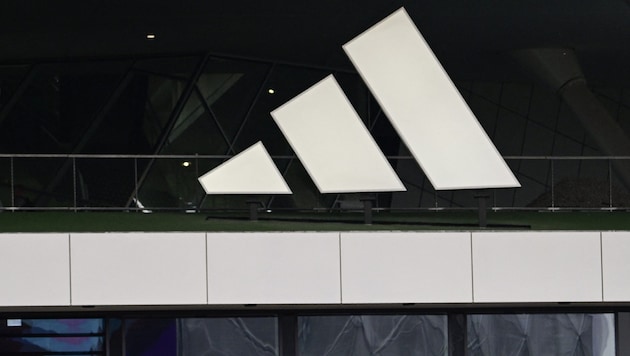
335,147
249,172
616,266
273,268
394,267
310,268
138,268
34,270
425,108
537,267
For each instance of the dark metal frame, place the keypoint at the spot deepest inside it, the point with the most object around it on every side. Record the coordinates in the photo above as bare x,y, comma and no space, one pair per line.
287,318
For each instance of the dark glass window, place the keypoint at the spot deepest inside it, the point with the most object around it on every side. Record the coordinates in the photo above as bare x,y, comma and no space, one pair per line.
541,334
373,335
51,336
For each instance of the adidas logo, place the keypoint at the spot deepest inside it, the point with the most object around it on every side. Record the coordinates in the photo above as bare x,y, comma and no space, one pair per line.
335,147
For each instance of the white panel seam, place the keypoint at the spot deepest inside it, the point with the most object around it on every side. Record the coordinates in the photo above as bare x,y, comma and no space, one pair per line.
70,267
340,271
206,267
601,261
472,267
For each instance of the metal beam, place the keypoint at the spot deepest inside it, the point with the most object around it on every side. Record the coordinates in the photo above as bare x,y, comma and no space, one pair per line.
172,120
216,121
26,81
87,135
262,87
559,69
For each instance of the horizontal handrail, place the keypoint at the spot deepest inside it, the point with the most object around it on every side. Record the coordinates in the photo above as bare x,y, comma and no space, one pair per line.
187,194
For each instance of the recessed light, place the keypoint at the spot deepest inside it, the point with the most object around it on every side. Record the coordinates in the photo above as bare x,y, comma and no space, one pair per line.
150,36
271,91
186,164
14,322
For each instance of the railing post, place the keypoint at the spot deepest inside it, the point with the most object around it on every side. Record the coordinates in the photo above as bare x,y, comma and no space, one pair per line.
135,181
610,198
74,182
435,196
198,202
553,202
12,186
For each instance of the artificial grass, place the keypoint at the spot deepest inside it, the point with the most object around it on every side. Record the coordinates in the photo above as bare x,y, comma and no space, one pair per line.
90,221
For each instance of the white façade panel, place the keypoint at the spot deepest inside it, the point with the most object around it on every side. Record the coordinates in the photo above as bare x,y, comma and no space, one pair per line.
138,268
414,267
331,141
425,108
273,268
537,267
616,266
249,172
34,270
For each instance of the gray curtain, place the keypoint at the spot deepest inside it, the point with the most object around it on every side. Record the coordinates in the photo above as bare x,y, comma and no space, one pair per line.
540,335
382,335
227,337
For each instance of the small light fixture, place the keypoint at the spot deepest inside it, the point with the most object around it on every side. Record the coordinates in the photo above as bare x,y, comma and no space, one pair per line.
14,322
271,91
150,36
186,164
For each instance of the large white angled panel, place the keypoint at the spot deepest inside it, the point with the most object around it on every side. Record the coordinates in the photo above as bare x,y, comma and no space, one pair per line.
425,108
273,268
249,172
34,270
393,267
616,266
138,268
537,267
331,141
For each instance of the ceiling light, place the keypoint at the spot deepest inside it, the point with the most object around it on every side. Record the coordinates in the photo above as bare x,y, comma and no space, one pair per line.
271,91
150,36
186,164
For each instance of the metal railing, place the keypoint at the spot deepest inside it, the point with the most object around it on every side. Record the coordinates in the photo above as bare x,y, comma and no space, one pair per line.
169,182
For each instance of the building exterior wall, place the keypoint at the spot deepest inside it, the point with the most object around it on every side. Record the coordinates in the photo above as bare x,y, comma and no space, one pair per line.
310,268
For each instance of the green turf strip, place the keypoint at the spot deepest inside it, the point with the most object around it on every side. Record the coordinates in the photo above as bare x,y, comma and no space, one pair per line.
442,220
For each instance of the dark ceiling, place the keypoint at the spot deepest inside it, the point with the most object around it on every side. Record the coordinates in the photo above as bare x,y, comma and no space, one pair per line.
471,38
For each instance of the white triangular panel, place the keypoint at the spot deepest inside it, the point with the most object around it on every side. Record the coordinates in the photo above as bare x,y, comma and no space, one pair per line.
332,143
425,108
250,172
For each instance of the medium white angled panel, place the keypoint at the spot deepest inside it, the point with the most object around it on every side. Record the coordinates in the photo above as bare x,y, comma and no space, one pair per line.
249,172
537,267
138,268
331,141
273,268
425,108
34,270
616,266
392,267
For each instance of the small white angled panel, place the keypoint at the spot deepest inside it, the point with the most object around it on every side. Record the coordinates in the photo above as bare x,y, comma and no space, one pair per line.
273,268
425,108
335,147
138,268
394,267
34,270
616,266
249,172
537,267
